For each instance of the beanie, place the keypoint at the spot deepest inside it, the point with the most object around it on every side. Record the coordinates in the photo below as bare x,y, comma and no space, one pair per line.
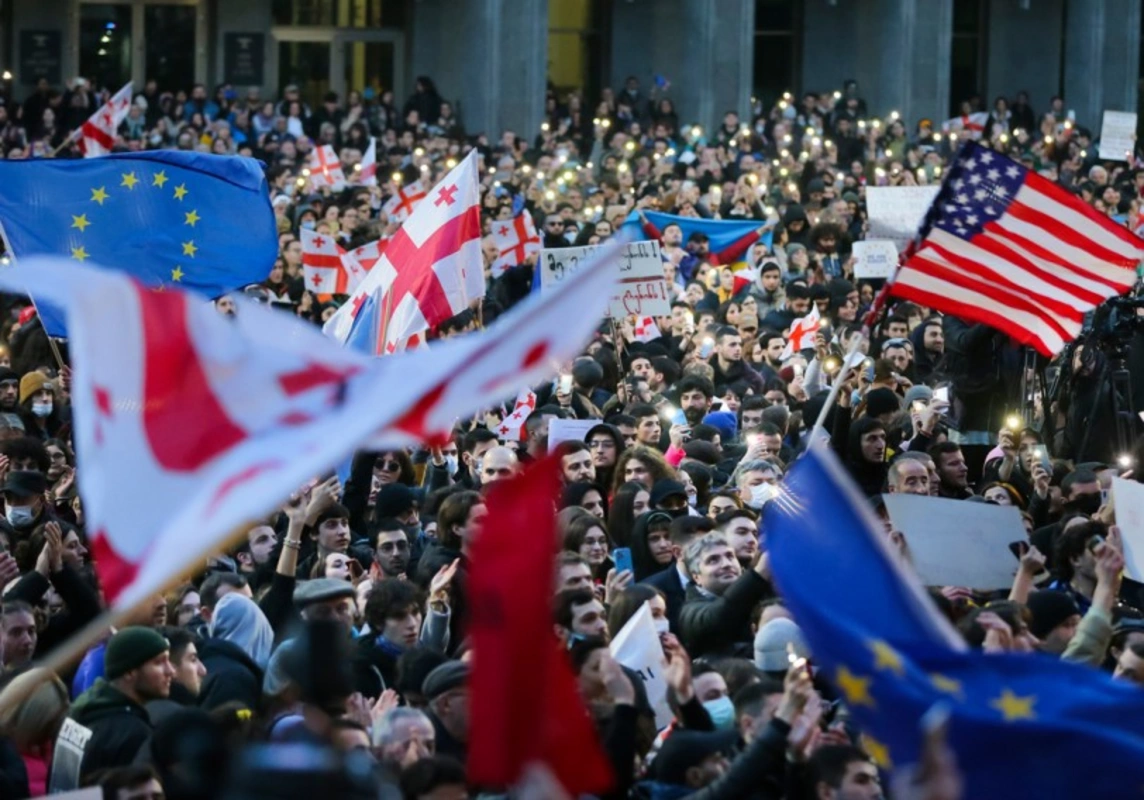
131,648
772,641
31,383
881,401
918,393
1049,609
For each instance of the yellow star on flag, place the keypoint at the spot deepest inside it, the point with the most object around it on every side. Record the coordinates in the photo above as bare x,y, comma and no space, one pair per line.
79,254
886,657
129,180
1014,707
189,248
180,191
159,178
879,752
80,222
856,689
944,684
177,274
192,217
99,195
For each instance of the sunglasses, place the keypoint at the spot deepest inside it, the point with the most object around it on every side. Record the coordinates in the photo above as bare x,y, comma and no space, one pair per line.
389,465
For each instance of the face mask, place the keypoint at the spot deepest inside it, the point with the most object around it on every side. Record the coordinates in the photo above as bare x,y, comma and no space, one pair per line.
662,626
451,464
722,713
761,494
1087,504
19,516
692,499
309,224
44,409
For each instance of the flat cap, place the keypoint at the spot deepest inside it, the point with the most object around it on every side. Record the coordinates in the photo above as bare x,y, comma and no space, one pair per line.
319,589
448,676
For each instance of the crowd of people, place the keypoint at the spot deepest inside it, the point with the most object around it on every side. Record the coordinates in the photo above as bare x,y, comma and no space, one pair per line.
337,626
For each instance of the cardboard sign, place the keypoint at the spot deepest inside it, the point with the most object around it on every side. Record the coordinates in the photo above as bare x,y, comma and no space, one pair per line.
896,212
875,258
1128,502
637,647
565,430
1117,135
641,289
959,543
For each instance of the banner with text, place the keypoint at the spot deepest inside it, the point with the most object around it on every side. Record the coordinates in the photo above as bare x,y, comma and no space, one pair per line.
641,289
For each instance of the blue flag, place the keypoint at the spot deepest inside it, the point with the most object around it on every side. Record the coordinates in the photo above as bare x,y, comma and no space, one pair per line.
1021,725
168,218
729,240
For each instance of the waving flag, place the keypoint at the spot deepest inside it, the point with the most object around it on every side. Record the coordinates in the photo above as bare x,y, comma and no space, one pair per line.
728,239
215,418
516,240
325,169
327,268
1016,720
511,428
973,124
367,174
645,329
97,135
401,205
368,254
168,218
802,332
1005,247
431,269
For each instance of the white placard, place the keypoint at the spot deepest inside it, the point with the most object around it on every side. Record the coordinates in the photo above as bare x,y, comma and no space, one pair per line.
641,289
637,647
958,542
1128,503
896,212
563,430
1117,135
875,258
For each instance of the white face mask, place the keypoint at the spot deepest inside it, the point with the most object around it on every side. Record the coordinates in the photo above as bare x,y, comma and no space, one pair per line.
692,499
42,409
19,516
761,494
451,464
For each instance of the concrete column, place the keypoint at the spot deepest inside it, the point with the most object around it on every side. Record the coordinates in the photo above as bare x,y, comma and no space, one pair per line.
1102,56
1024,51
826,67
251,16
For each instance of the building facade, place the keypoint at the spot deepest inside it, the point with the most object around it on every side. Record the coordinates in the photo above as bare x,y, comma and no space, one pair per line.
494,58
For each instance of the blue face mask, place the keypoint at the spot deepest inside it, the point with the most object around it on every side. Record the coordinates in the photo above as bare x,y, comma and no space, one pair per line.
722,713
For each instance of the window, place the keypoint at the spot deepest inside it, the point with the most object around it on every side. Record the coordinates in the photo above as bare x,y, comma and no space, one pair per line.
575,46
340,13
306,64
778,48
967,52
172,67
105,42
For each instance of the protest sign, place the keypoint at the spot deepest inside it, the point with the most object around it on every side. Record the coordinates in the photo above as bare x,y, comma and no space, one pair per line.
564,430
875,258
1118,135
641,290
955,543
1128,502
637,647
896,212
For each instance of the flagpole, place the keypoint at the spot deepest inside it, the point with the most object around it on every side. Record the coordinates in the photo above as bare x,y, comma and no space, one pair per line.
65,143
51,342
76,646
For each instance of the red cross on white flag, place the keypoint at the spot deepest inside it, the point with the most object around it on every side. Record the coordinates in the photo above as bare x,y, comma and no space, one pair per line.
401,205
516,239
368,254
97,135
801,336
327,268
646,330
367,174
512,428
325,169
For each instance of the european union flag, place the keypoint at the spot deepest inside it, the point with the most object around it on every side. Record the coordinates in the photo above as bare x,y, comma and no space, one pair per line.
1021,725
169,218
729,240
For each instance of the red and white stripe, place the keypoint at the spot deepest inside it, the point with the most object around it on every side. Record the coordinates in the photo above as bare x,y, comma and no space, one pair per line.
401,205
1032,273
97,135
512,428
325,169
516,240
328,269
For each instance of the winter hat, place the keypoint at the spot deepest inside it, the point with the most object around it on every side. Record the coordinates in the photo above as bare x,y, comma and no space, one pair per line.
131,648
32,382
724,422
1049,610
794,247
771,645
685,749
393,500
918,393
881,401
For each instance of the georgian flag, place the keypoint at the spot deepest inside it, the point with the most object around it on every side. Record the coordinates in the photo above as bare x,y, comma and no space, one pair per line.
325,169
801,336
516,240
367,172
401,205
327,268
646,330
97,135
512,428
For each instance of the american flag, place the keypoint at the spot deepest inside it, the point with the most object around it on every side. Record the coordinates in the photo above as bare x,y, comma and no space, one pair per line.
1006,247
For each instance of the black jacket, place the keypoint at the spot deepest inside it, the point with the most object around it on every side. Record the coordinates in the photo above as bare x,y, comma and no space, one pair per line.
118,727
669,582
722,625
81,604
231,675
846,438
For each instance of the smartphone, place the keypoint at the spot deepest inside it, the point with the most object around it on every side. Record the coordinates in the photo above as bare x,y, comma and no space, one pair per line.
679,418
941,394
1043,459
707,348
622,558
565,384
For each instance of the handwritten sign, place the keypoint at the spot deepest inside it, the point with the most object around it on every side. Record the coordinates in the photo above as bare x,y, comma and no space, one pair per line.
640,290
896,212
1118,135
637,647
875,258
564,430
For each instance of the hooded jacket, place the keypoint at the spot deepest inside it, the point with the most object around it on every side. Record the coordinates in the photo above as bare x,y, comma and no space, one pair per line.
846,438
232,676
115,728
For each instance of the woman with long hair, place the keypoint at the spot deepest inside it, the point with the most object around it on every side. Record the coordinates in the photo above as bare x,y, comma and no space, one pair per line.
33,723
641,464
629,501
584,534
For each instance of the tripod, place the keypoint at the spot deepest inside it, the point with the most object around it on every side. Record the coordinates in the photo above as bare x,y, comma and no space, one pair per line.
1115,377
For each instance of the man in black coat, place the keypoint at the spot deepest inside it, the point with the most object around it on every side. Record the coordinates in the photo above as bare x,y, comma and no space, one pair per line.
674,580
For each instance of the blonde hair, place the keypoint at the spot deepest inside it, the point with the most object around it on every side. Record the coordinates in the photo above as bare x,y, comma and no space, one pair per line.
37,718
